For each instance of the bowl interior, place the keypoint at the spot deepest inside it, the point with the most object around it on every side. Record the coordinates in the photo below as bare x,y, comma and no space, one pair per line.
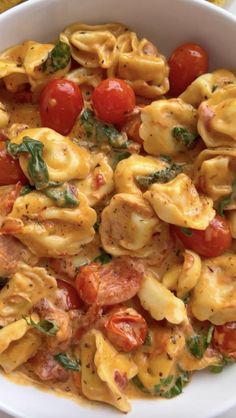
167,23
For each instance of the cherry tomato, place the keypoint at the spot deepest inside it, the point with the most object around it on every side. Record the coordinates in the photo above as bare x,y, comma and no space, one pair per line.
186,63
70,294
61,102
110,283
224,338
10,171
126,329
113,100
209,243
131,127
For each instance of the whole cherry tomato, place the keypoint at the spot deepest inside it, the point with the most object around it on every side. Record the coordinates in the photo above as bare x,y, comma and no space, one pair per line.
70,294
209,243
61,102
110,283
186,63
224,338
126,329
10,171
113,100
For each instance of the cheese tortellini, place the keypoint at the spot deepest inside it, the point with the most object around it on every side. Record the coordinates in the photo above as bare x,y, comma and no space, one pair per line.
48,230
130,227
183,278
4,116
119,52
99,183
136,165
205,86
21,64
214,171
25,288
178,202
214,296
64,159
14,332
158,121
216,123
102,366
160,301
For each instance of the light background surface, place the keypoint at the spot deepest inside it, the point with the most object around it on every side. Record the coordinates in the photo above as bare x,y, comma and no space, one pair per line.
231,6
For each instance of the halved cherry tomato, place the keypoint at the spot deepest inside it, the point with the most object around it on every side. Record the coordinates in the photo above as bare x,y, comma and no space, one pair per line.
10,171
126,329
224,338
131,127
109,284
209,243
186,63
61,102
70,294
113,100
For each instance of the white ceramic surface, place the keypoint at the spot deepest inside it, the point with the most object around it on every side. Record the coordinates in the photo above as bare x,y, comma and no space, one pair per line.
168,23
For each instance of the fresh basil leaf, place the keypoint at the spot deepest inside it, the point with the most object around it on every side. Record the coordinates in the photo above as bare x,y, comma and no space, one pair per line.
227,200
45,326
197,344
64,196
58,58
185,137
26,190
3,282
100,131
103,257
162,176
148,340
37,168
186,231
67,362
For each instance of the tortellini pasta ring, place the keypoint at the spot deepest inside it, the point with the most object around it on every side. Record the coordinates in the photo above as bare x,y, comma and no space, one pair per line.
64,159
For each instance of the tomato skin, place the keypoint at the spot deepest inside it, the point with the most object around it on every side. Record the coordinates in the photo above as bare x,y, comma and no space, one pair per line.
209,243
109,284
186,63
126,329
10,171
113,100
132,126
224,339
71,296
61,101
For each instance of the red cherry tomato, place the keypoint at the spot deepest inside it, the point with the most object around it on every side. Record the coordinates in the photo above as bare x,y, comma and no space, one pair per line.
110,283
224,338
209,243
186,63
132,126
126,329
61,102
10,171
113,100
70,294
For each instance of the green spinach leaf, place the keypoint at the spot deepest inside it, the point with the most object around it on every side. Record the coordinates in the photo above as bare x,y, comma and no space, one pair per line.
64,196
103,257
44,325
67,362
58,58
37,168
185,137
161,176
227,200
197,344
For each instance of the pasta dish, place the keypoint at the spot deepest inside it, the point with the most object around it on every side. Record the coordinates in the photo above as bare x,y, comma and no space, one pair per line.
118,214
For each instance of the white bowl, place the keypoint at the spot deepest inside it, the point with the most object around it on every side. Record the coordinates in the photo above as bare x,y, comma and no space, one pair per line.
167,23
